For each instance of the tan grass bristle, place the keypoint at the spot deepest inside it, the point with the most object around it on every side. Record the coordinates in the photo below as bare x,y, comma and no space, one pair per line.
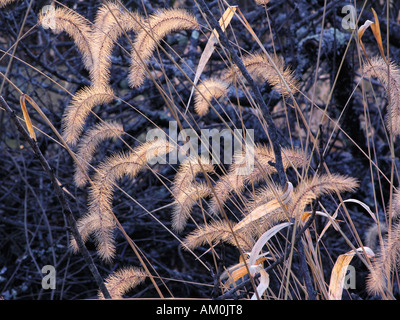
156,28
378,68
75,25
111,22
216,231
88,145
79,109
104,182
206,91
123,280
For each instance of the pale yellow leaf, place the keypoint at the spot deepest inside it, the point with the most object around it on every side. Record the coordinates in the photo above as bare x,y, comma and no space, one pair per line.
255,251
263,210
209,49
376,30
26,117
361,31
264,282
339,272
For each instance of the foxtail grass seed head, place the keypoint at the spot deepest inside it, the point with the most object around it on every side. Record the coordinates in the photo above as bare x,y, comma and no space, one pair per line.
155,29
121,281
76,26
100,216
88,145
112,21
206,91
378,68
3,3
79,109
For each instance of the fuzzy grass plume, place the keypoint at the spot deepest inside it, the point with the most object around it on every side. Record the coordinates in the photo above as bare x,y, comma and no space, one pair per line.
188,171
266,207
79,109
186,191
123,280
264,215
387,260
102,228
156,28
75,25
388,257
310,189
206,91
261,69
216,231
291,203
101,192
111,22
3,3
88,145
378,68
235,181
184,202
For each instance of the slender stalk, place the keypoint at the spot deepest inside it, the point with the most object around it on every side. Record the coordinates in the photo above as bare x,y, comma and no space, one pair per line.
271,129
277,262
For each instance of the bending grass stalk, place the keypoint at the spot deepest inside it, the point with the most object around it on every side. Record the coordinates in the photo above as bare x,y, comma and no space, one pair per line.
73,223
277,262
272,131
63,200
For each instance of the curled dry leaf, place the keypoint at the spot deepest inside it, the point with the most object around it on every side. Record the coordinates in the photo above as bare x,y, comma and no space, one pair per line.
376,30
361,32
255,251
263,210
264,281
209,49
332,219
27,118
339,272
237,271
255,255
